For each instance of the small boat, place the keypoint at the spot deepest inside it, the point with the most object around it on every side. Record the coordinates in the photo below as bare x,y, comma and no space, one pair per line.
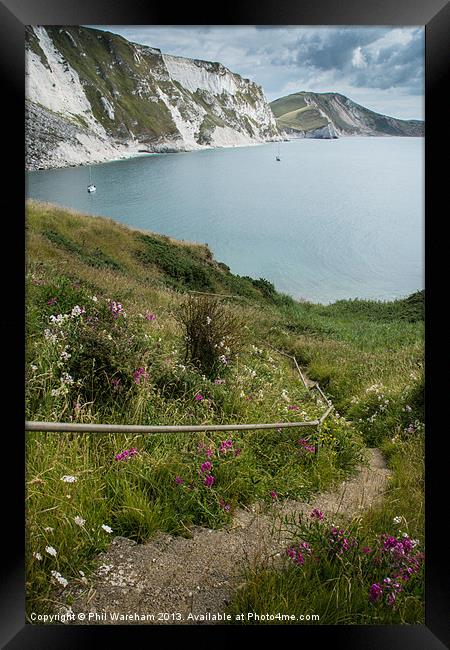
91,187
277,157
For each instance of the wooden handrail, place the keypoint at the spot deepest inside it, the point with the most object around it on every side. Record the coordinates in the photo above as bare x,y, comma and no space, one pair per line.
141,428
76,427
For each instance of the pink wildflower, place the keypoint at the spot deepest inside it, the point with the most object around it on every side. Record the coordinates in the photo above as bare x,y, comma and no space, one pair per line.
139,374
126,454
206,467
209,480
317,514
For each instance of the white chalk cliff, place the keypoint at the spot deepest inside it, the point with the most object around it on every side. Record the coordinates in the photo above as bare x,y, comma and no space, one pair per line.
93,96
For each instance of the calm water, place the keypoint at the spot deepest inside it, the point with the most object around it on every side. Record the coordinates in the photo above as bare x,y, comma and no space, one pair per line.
334,219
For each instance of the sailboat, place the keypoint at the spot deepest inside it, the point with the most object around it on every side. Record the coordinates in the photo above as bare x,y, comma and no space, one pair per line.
277,157
91,186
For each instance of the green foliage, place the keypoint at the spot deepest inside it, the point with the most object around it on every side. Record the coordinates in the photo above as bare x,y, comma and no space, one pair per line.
83,369
183,266
97,258
212,334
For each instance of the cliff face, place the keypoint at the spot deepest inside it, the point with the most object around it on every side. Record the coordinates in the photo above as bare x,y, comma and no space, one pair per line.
94,96
331,115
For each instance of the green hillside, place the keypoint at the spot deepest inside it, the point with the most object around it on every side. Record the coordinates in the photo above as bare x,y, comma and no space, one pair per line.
124,326
307,111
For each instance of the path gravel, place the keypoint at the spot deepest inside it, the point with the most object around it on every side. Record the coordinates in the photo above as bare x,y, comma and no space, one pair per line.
177,576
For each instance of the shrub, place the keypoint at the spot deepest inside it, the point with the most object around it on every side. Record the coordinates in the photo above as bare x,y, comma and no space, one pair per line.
212,334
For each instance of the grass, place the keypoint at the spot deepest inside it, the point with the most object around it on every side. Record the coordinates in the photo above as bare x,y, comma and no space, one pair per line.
336,586
118,354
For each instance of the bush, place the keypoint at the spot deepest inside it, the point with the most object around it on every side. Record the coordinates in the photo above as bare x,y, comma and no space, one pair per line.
212,334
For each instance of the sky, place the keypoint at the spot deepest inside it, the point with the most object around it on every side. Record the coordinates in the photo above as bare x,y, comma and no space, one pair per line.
381,68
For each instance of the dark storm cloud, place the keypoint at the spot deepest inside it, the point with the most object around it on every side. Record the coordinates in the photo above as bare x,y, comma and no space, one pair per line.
333,48
365,57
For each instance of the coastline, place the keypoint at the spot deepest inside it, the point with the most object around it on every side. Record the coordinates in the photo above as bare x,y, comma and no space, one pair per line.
166,148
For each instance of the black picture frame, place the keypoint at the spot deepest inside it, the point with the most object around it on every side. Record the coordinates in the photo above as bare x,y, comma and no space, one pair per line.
14,15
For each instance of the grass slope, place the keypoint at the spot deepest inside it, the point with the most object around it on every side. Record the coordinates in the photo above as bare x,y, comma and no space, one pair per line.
106,343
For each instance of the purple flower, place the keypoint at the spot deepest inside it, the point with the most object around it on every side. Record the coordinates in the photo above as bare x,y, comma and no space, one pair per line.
52,301
116,309
300,559
306,446
237,451
206,467
149,316
293,407
126,454
199,397
225,445
375,592
274,495
225,506
139,374
407,544
317,514
209,481
219,381
178,480
115,383
366,550
390,599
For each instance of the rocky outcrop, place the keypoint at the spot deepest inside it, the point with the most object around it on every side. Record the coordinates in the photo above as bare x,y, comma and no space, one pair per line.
94,96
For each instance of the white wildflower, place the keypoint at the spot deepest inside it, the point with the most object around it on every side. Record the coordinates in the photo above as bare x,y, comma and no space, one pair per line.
94,298
69,479
58,577
79,521
38,556
208,320
106,528
397,520
50,550
77,311
49,529
59,319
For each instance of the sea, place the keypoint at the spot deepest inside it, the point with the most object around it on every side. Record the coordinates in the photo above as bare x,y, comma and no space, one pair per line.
331,220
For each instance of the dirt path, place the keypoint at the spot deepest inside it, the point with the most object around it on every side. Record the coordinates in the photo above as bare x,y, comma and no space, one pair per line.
175,575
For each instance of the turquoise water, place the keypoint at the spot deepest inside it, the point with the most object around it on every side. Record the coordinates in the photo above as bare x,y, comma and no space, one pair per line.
334,219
